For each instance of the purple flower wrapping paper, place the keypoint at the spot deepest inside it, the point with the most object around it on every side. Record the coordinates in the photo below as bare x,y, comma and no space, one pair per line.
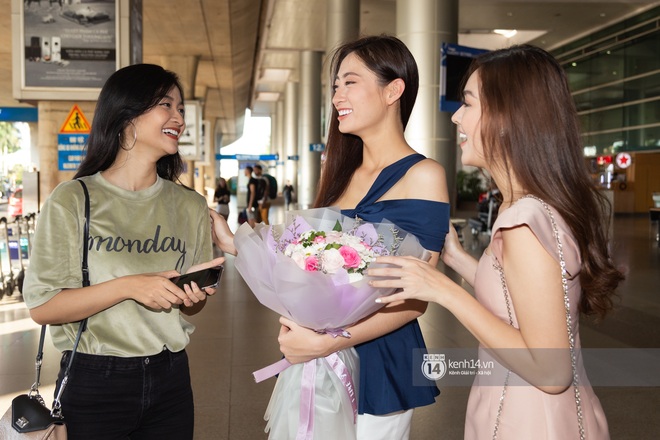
313,299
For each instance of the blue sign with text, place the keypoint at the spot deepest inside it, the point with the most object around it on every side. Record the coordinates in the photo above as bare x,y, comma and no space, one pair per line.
70,151
19,114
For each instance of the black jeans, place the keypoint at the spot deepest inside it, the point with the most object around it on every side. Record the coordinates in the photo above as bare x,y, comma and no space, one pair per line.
140,398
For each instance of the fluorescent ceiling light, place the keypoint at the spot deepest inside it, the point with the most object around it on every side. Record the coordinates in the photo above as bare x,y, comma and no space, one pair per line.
507,33
268,96
275,75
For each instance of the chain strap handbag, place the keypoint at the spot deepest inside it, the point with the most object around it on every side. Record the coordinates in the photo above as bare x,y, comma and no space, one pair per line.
29,418
571,338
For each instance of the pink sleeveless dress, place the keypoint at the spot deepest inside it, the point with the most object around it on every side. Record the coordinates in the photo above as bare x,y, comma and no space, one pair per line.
527,412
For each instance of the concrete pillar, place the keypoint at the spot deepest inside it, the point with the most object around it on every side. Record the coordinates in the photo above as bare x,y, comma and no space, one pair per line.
34,145
185,66
208,170
342,24
211,112
343,21
218,143
423,25
52,114
291,133
277,142
310,127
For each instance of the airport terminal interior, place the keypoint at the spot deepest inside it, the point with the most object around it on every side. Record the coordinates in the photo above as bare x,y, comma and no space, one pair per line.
614,71
236,335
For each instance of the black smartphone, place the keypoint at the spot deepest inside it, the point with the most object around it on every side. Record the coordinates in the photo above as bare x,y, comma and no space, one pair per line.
203,278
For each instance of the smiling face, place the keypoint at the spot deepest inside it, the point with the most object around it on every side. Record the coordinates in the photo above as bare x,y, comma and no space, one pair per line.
158,130
358,98
468,120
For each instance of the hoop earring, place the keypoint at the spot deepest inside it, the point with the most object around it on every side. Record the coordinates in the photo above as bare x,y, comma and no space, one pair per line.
121,143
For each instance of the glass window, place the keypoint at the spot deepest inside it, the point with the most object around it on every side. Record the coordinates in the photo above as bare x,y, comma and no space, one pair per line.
614,75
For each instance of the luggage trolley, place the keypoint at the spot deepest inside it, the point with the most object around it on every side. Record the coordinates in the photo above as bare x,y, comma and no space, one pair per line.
487,208
27,231
8,282
22,245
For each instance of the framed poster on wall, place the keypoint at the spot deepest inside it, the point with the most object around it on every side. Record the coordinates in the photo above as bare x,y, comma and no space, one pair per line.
190,141
206,150
454,62
63,49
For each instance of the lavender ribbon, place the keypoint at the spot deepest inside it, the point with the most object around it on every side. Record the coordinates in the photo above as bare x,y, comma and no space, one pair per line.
307,389
306,417
271,370
281,365
341,370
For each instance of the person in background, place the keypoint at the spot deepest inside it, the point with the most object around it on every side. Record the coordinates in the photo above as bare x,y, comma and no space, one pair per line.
372,173
263,193
221,197
130,376
287,192
252,207
519,123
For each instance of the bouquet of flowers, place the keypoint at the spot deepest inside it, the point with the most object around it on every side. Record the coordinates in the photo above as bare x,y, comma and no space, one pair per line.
312,269
330,252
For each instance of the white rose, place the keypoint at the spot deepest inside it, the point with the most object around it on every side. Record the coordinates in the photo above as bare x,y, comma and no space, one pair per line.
333,237
299,259
332,261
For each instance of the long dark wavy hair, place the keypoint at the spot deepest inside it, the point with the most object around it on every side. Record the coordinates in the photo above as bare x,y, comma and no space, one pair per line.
530,128
388,58
127,94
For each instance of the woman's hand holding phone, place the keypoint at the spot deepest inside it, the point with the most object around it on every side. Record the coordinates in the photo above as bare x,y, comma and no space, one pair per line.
200,281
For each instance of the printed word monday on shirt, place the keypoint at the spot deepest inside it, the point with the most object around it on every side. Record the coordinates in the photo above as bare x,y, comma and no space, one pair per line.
155,244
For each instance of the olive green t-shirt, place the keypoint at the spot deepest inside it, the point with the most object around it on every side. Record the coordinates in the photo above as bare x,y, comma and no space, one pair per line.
160,228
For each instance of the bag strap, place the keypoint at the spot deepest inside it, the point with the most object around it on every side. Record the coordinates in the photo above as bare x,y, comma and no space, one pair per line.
571,338
85,268
57,406
34,390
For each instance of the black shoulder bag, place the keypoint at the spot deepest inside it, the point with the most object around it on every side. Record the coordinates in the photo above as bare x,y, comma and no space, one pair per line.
29,418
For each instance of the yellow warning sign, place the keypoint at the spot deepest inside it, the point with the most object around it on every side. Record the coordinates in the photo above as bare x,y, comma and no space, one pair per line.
75,122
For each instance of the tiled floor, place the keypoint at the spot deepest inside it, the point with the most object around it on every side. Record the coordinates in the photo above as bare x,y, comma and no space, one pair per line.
236,335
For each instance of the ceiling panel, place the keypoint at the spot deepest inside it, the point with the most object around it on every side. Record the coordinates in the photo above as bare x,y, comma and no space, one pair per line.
235,40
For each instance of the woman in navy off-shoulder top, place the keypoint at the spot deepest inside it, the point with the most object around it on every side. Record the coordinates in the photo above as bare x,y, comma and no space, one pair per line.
371,172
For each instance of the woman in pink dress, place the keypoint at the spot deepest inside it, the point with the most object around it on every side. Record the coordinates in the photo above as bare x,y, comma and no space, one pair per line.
518,122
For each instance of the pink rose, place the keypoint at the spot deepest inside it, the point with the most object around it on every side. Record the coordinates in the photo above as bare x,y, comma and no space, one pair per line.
319,239
311,264
351,257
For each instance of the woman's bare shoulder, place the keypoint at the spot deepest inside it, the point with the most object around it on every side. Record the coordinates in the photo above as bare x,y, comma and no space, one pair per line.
427,171
427,179
428,165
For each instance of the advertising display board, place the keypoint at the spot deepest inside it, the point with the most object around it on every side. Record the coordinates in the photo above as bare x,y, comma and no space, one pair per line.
63,51
454,62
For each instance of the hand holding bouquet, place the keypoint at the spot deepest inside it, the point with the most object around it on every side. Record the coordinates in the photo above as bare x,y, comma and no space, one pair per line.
312,270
